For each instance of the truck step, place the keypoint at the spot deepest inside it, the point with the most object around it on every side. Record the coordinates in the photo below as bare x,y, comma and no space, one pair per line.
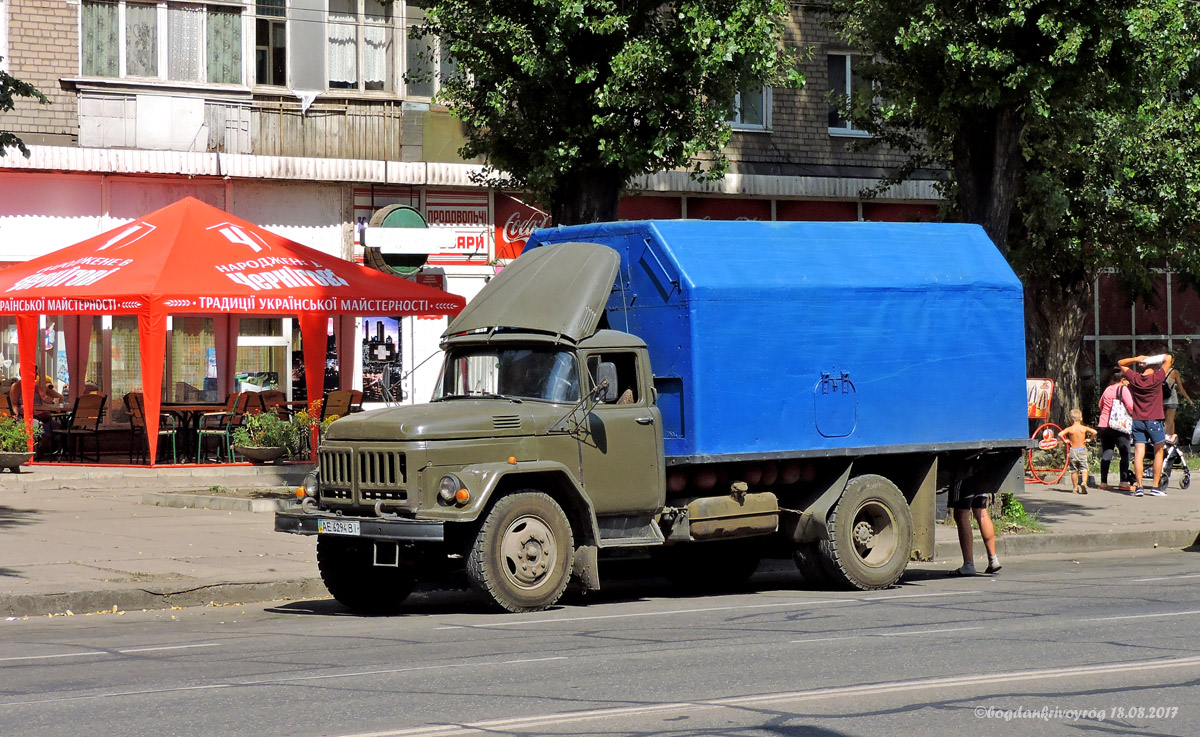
628,531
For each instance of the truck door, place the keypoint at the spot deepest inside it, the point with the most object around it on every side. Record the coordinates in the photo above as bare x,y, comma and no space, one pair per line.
621,442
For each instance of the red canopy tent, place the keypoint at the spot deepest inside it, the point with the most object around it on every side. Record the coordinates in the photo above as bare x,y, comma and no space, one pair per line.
190,258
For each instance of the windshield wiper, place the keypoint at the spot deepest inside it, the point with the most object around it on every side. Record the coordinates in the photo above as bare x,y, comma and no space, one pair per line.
480,395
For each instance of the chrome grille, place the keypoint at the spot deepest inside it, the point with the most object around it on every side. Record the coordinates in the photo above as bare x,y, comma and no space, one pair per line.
506,422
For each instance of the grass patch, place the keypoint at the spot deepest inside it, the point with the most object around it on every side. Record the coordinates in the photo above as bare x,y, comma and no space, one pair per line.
1013,517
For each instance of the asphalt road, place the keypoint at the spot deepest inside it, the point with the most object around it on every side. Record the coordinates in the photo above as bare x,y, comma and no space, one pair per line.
1102,645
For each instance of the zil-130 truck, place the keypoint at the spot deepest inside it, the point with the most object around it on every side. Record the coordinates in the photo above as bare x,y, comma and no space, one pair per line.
710,393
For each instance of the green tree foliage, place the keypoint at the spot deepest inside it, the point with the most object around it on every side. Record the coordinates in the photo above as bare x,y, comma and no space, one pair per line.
10,89
1069,128
570,99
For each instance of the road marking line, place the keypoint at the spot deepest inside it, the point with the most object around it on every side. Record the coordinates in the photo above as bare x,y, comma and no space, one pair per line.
888,634
273,680
926,632
165,647
952,682
60,655
146,692
1142,616
921,596
383,671
106,652
1166,578
627,615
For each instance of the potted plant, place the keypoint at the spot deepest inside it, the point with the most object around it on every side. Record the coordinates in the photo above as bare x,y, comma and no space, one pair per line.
263,438
300,429
14,442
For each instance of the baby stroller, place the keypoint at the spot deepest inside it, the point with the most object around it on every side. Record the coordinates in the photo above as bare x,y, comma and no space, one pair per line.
1173,458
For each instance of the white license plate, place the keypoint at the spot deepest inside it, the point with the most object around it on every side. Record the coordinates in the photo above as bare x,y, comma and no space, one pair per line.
337,527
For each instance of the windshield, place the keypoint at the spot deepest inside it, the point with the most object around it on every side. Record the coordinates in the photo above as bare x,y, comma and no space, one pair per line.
526,373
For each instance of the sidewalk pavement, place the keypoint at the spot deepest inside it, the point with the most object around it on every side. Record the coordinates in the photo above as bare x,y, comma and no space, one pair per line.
86,540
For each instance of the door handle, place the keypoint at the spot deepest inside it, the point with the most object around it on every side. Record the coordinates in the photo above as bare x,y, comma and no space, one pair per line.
645,420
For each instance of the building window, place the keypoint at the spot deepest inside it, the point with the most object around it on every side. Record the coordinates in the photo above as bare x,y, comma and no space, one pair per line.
360,38
270,43
749,110
843,83
426,62
174,41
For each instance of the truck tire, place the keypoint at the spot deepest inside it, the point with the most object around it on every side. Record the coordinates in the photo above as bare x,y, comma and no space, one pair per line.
348,571
522,554
810,563
870,535
717,565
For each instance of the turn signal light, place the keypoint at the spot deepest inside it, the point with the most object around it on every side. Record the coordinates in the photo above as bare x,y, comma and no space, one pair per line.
512,459
300,492
462,496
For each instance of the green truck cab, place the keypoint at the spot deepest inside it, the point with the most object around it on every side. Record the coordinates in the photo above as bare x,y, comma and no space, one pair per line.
544,449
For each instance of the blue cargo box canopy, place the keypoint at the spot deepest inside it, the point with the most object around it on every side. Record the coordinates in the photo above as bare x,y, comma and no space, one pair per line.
786,338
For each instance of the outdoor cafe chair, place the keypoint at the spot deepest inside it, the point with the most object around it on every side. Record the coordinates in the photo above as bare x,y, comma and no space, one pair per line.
84,422
135,406
336,404
219,426
275,402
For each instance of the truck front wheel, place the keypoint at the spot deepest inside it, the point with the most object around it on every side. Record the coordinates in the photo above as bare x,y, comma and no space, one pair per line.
521,557
870,535
347,567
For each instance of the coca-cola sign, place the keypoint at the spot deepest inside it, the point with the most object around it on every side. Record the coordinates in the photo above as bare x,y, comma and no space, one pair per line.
515,221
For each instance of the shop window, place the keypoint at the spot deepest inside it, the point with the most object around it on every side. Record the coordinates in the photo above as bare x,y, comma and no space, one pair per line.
174,41
750,108
191,374
844,82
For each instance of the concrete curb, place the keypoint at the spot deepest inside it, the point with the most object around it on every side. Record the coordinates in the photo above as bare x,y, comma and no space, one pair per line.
1066,543
86,602
222,503
83,602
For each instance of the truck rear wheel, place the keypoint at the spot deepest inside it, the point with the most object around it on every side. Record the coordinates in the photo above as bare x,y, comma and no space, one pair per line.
870,535
348,571
522,554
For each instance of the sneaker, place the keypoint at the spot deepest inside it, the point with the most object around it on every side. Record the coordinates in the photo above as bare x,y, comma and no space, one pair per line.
1137,491
1156,492
993,568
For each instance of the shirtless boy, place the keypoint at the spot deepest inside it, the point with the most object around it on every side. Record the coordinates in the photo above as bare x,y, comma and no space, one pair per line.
1077,436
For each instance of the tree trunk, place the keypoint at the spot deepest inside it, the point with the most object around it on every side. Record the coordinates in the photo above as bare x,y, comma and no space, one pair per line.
586,197
987,164
1056,312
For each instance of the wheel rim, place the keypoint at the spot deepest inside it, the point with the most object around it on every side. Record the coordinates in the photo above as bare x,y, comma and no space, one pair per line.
528,551
874,534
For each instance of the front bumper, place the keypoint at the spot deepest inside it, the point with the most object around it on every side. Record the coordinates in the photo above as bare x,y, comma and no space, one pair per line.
401,530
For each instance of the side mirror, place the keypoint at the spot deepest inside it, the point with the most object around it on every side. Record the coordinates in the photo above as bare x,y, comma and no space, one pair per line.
606,393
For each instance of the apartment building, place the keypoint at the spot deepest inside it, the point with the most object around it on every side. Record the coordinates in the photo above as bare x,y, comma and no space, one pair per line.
300,115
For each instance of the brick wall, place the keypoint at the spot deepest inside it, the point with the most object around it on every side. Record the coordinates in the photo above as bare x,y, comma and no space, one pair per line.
798,141
43,47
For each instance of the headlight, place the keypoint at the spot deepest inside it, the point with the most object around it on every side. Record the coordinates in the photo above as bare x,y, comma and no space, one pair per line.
310,487
451,490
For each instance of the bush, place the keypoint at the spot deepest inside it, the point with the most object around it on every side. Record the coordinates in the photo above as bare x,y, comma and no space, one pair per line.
264,430
13,436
